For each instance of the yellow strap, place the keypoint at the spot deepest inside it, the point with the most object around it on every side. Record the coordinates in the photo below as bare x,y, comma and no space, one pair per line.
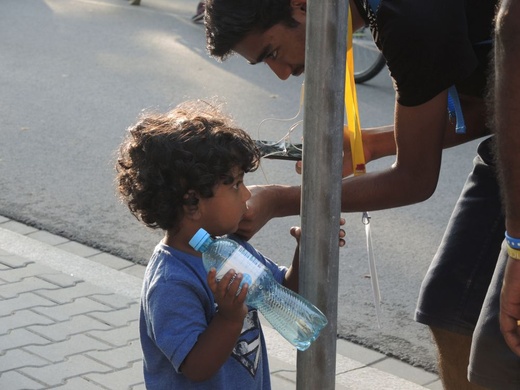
353,128
353,131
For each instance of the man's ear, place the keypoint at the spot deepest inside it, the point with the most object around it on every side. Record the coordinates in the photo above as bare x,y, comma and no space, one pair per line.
299,5
299,10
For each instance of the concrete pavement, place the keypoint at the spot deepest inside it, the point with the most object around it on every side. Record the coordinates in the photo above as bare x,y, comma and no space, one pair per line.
69,320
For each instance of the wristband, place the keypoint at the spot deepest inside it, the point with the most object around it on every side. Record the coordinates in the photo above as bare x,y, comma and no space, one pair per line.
513,253
513,242
513,247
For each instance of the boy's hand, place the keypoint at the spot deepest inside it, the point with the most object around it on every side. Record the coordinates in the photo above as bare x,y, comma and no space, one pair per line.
342,233
296,232
231,303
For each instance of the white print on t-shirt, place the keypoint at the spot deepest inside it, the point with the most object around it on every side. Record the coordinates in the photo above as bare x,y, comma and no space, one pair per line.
248,350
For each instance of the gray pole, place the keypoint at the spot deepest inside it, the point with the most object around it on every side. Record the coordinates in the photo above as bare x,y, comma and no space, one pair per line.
321,182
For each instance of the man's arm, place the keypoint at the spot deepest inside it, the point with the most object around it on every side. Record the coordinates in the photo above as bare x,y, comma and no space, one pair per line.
380,141
419,134
507,123
362,192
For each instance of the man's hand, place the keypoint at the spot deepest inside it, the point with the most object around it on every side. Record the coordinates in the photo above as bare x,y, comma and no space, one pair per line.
510,305
267,202
377,142
259,212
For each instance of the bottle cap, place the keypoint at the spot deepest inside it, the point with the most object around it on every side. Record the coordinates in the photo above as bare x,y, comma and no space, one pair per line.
199,239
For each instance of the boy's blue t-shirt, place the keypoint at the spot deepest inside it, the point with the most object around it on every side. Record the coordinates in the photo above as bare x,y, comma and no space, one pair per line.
176,307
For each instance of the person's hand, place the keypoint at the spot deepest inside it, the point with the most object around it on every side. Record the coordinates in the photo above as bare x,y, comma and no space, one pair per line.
229,297
296,232
259,212
347,168
510,305
342,233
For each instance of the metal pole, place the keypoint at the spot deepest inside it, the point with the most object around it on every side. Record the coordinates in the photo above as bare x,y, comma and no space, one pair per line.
326,24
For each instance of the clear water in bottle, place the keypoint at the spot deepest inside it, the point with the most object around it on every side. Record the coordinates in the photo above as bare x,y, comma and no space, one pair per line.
295,318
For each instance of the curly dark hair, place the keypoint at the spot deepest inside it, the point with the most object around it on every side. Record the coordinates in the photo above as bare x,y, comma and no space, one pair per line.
229,21
190,148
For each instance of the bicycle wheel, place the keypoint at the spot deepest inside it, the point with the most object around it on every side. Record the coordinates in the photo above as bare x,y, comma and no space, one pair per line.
368,60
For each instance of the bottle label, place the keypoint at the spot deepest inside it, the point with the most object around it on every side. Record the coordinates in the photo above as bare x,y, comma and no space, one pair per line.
242,261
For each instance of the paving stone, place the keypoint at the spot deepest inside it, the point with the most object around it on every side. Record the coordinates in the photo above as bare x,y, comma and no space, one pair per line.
57,352
11,290
111,261
119,357
362,355
283,381
18,227
116,301
19,338
14,261
22,319
435,385
113,380
118,336
61,279
23,301
283,377
14,380
405,371
19,273
368,378
63,330
79,306
18,358
55,374
79,383
69,294
48,238
78,249
119,317
136,270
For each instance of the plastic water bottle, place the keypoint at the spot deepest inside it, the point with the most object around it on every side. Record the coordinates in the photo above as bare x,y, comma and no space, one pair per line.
295,318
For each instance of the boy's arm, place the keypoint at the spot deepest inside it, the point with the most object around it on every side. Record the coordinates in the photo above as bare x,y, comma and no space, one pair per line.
291,280
215,344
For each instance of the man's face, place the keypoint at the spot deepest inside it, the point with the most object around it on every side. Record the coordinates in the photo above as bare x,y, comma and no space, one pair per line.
282,48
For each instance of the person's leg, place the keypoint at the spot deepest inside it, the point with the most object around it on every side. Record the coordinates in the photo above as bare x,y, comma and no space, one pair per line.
454,350
455,285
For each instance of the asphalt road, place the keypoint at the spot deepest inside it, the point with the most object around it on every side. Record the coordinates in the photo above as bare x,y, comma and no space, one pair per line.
75,73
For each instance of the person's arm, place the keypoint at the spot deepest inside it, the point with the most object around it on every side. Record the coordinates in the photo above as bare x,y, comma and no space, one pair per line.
419,133
379,142
292,280
507,123
274,201
215,344
268,202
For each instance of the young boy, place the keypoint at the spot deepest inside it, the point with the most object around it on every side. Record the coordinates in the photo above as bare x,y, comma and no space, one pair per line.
179,172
